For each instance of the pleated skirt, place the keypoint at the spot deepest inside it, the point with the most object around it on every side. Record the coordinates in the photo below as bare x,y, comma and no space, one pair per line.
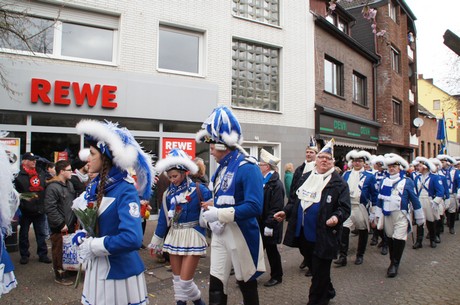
185,241
98,290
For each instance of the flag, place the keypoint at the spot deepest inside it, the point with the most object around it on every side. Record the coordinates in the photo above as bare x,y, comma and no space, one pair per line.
442,135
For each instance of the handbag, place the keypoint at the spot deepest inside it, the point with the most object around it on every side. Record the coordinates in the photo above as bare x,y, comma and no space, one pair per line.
70,259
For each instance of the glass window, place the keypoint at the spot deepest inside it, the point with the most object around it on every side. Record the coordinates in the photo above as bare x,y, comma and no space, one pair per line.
338,22
333,76
422,148
13,118
359,89
87,42
395,60
58,39
45,144
393,11
266,11
180,50
255,76
181,127
436,105
397,115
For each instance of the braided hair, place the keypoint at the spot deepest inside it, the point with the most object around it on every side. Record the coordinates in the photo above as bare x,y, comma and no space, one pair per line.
106,166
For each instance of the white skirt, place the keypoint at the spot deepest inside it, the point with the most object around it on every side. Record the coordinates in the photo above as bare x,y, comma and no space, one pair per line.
185,241
98,290
8,283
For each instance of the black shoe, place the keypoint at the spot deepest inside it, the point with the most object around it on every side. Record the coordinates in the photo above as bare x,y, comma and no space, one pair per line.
341,262
384,250
417,245
359,260
451,230
374,241
303,265
437,239
392,271
24,260
380,245
272,282
44,259
331,293
308,273
433,244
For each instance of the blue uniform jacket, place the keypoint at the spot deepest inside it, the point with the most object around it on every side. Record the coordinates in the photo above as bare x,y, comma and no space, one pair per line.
190,211
367,186
408,195
120,222
435,186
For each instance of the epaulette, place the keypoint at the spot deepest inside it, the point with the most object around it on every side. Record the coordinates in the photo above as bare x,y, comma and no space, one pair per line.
248,159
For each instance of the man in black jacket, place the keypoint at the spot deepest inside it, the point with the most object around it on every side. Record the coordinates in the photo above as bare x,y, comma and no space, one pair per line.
31,183
315,222
58,205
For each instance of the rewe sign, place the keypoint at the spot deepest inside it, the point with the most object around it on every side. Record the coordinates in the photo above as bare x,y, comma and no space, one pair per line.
187,145
66,93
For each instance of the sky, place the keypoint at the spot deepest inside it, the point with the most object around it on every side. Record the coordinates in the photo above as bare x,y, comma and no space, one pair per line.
434,59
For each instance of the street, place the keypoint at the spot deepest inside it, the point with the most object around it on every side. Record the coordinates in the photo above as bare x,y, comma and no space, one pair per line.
426,276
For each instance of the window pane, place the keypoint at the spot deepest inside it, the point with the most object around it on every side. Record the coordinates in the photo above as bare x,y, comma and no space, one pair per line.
87,42
266,11
328,76
436,104
37,32
45,144
179,51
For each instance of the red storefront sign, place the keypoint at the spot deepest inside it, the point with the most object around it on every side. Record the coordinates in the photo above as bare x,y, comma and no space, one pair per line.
187,145
66,92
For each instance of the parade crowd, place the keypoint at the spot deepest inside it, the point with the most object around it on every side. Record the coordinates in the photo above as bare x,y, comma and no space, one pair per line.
101,200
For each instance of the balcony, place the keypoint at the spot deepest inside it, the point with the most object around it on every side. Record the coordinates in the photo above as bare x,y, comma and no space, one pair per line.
410,53
411,97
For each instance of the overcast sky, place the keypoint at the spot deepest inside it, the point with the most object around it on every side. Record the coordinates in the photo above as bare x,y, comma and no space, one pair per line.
434,59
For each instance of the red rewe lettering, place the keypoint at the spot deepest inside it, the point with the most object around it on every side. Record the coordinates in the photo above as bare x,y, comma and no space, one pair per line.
85,93
108,96
61,91
39,90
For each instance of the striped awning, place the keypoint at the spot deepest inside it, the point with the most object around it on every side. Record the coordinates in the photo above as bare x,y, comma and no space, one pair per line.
346,142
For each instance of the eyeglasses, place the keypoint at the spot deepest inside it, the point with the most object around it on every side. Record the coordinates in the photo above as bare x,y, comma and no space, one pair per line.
324,158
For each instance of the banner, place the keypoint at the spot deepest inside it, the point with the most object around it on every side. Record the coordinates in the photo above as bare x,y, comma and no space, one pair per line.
442,135
13,149
187,145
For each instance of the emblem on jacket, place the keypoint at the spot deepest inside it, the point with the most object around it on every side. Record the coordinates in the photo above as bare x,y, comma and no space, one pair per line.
134,210
329,199
227,181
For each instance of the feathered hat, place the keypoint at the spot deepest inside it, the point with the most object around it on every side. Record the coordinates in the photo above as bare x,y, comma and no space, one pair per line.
313,145
267,157
119,145
328,148
427,163
176,159
436,162
221,127
358,154
9,198
395,159
447,158
378,159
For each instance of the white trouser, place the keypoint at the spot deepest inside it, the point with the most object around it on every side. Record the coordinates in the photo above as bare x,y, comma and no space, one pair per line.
359,217
395,225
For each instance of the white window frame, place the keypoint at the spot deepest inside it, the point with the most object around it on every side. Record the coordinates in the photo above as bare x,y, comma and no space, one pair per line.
395,57
201,49
359,89
393,11
436,104
336,76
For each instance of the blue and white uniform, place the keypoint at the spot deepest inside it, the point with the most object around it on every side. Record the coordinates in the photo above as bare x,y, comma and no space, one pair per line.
430,191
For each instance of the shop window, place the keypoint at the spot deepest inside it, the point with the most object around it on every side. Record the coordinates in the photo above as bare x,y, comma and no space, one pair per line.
397,113
265,11
359,89
181,50
255,76
333,76
13,118
181,127
45,36
46,144
60,120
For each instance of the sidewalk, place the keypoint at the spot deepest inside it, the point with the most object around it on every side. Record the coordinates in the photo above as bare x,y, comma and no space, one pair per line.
426,276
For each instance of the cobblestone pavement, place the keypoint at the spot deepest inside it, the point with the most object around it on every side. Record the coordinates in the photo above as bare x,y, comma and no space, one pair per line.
426,277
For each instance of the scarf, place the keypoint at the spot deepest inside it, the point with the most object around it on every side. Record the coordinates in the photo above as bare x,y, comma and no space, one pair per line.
391,200
82,177
353,183
311,190
224,178
309,166
114,177
177,193
268,176
34,180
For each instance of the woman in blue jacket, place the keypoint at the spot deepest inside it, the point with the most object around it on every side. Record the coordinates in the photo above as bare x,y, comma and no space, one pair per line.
180,210
114,269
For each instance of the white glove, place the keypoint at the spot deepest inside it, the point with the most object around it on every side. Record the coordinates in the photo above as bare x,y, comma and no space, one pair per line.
420,221
156,245
211,214
170,213
268,231
217,227
85,252
79,237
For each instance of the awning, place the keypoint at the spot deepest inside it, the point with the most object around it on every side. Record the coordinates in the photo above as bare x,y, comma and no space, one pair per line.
340,141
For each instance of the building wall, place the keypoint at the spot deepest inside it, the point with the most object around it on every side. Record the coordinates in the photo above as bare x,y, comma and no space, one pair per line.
427,139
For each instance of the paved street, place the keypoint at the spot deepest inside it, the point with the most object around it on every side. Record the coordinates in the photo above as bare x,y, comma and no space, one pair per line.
426,276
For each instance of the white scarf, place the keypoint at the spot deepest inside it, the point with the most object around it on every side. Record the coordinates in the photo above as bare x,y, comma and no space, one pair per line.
83,177
309,166
353,183
311,189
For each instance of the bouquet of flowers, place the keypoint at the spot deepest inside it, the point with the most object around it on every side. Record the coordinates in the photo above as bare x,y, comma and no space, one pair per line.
86,213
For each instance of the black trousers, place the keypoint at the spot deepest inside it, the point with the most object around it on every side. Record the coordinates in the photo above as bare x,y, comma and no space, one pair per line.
274,259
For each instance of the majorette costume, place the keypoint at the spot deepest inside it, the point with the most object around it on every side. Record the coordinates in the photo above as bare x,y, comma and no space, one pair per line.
238,201
393,211
180,210
453,183
439,224
362,195
9,203
430,191
114,270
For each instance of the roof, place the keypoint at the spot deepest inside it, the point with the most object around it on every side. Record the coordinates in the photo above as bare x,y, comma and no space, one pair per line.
425,111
